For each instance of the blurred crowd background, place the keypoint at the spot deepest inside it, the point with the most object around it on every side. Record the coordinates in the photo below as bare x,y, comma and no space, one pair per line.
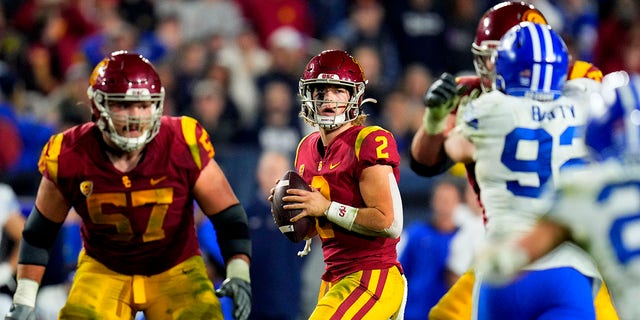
235,65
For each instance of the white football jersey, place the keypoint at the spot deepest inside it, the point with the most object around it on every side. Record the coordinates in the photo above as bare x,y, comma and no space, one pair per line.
600,204
521,145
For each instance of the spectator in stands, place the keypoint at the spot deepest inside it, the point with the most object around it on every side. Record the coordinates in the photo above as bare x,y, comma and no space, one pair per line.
245,59
419,29
271,248
469,218
425,250
279,128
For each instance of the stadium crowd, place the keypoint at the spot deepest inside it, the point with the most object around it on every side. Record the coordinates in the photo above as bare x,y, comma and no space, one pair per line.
234,65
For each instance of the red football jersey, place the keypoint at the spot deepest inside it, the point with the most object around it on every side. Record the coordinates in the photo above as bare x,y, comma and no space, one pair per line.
336,173
138,222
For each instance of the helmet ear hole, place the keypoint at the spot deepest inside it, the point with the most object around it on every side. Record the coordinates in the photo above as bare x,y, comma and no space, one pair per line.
354,112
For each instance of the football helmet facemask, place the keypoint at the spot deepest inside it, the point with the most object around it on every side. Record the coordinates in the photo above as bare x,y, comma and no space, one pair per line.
126,77
492,26
532,61
332,67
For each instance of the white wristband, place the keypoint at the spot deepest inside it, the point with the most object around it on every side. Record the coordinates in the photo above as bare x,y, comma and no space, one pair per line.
341,214
238,268
26,292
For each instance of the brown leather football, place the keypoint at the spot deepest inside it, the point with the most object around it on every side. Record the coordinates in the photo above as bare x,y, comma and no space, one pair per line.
298,230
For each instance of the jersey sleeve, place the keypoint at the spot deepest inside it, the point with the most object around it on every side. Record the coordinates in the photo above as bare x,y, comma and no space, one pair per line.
584,69
48,163
484,116
198,141
375,145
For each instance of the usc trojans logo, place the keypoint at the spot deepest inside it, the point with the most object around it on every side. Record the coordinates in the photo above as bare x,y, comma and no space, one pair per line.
86,188
97,71
533,16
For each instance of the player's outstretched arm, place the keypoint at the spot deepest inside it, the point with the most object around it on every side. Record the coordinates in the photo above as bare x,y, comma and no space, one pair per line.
218,201
459,148
40,232
428,157
500,262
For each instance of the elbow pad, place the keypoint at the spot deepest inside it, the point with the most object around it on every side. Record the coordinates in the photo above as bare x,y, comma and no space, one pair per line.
38,237
232,231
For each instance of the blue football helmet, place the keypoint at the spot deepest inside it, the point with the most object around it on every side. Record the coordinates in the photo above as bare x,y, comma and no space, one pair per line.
613,130
532,61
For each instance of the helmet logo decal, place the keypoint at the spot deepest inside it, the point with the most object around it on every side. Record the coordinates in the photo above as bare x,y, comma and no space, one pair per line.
330,76
359,67
98,70
86,188
140,93
533,16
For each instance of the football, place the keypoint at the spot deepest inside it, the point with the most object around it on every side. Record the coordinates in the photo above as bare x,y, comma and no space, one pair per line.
298,230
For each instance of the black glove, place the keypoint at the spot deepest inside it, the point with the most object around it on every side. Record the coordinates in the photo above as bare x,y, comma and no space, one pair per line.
240,291
442,93
21,312
441,97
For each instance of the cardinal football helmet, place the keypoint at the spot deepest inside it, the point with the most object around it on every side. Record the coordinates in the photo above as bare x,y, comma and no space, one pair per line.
332,67
613,130
531,61
124,76
492,26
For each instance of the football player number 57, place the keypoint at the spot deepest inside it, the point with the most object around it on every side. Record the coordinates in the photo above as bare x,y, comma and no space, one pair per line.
159,199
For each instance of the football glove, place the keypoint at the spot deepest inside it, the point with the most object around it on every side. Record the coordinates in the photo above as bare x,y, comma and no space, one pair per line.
240,291
237,286
441,97
21,312
500,263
